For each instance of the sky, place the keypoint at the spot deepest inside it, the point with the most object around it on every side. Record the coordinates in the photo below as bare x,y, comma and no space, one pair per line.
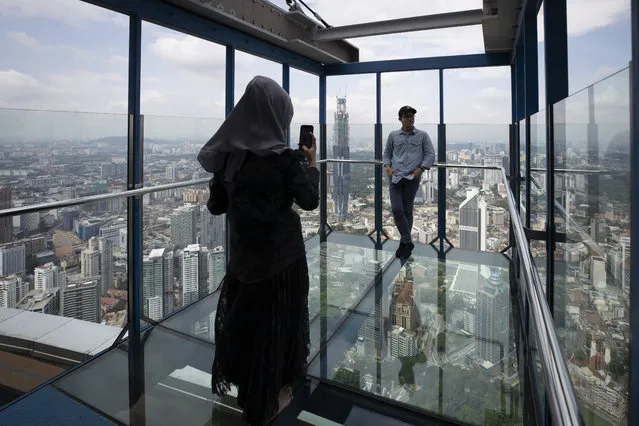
70,57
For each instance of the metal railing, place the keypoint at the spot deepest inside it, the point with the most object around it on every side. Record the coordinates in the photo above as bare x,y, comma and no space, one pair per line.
101,197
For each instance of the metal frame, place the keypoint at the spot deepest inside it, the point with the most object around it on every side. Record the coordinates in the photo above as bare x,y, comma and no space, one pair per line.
420,64
402,25
170,16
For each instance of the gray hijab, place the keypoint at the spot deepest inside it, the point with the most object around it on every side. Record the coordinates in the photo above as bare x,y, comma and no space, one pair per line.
257,124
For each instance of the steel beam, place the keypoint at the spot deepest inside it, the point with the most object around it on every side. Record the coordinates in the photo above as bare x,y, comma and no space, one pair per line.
189,22
402,25
262,19
420,64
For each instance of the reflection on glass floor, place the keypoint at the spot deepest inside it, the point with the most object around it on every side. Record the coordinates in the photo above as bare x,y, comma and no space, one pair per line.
433,336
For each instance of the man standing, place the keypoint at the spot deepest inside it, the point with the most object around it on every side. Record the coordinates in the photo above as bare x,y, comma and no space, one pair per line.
407,154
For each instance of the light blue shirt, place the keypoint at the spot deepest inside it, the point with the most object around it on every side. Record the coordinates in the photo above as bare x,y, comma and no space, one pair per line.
407,151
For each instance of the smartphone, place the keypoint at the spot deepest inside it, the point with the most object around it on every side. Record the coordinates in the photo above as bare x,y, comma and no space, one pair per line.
305,138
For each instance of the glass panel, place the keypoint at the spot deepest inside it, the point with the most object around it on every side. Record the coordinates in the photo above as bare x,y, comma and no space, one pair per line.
176,380
592,284
425,207
538,171
477,216
428,323
343,274
541,58
351,198
479,95
182,76
248,66
591,32
305,98
184,249
198,320
52,156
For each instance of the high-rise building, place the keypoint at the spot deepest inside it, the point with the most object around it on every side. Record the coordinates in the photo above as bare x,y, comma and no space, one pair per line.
190,274
492,177
404,312
81,300
171,172
12,289
90,260
491,319
12,259
183,226
105,247
49,276
625,264
211,229
6,223
341,171
403,343
30,222
157,283
217,267
473,221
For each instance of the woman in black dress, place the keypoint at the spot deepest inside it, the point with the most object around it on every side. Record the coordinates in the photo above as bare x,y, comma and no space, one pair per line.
261,327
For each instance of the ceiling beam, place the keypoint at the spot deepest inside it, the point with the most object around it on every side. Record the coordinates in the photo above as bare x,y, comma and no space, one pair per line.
291,30
403,25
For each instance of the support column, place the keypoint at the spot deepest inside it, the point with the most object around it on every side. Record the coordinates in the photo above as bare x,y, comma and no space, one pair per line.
137,404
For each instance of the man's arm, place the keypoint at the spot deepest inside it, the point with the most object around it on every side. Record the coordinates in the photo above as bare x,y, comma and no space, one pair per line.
388,151
429,152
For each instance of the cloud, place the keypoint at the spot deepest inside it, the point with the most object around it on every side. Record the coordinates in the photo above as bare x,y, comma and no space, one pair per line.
190,53
588,15
22,38
118,59
71,12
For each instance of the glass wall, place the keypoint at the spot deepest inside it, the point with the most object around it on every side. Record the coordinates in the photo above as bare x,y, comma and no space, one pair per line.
304,91
63,104
419,89
592,277
350,114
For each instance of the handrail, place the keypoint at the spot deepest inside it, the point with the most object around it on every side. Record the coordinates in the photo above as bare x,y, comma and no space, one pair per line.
561,396
101,197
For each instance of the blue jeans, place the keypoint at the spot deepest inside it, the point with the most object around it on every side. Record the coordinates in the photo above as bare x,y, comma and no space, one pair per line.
402,197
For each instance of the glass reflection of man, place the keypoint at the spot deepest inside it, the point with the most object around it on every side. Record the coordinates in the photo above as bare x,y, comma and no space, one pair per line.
408,153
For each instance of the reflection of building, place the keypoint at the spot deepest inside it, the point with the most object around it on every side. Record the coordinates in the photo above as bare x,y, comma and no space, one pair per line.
341,171
491,320
403,310
472,221
403,343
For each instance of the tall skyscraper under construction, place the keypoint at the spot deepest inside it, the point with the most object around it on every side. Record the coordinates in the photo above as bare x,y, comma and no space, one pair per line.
341,171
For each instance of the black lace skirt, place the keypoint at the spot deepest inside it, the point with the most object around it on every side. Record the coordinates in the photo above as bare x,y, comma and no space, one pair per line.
262,339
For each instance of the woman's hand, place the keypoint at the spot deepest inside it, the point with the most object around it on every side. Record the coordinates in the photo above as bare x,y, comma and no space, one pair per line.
311,152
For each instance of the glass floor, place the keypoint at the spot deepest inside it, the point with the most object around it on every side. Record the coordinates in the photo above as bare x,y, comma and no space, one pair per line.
431,340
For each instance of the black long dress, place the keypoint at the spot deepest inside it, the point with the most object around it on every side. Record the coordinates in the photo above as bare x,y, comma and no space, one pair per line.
262,324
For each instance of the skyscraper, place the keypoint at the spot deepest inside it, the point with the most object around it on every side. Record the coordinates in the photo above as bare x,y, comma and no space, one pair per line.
157,283
473,221
190,274
183,226
90,260
105,247
341,171
12,259
12,289
6,223
217,267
